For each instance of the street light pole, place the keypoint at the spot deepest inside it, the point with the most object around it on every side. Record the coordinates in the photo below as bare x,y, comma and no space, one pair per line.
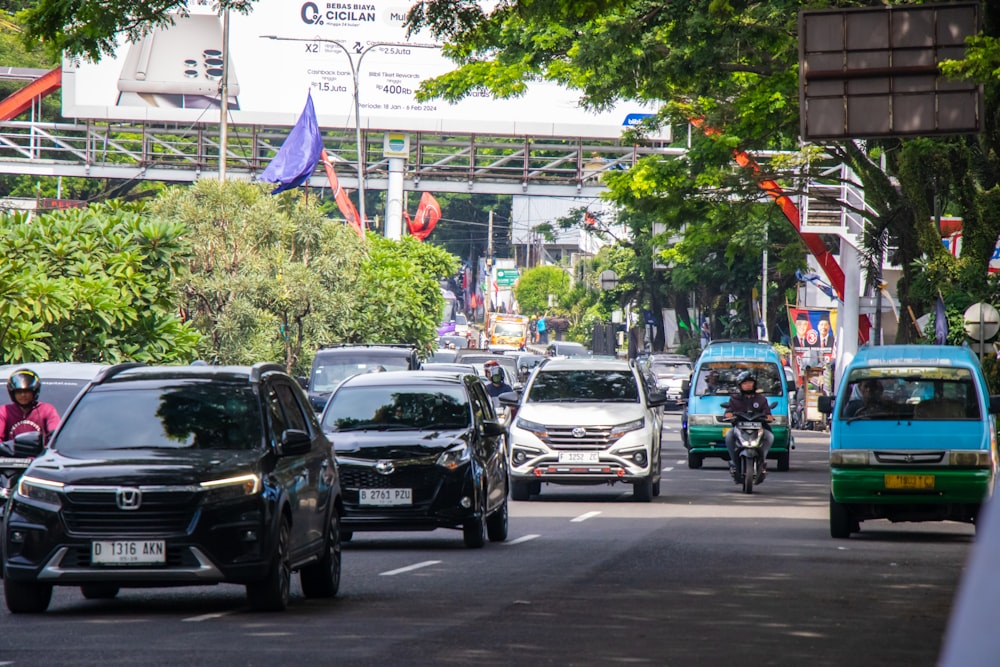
355,76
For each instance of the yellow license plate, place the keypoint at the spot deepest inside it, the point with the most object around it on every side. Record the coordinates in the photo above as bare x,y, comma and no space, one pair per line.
910,482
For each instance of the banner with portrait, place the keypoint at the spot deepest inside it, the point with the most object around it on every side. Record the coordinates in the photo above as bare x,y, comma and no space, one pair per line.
813,337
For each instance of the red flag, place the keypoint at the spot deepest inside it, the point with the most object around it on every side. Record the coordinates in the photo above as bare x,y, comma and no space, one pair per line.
344,202
428,214
589,218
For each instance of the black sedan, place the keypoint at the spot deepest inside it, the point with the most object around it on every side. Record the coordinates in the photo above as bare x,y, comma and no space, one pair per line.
419,451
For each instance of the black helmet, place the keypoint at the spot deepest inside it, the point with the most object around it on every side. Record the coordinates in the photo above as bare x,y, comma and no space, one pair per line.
24,379
496,374
744,376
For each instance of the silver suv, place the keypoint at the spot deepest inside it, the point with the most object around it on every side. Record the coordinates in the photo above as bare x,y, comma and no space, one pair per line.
585,421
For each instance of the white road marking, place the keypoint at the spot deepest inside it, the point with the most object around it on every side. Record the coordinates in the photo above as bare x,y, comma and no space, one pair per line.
682,462
207,617
584,517
667,469
409,568
520,540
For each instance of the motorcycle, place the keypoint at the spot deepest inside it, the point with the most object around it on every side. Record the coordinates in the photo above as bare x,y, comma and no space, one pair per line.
15,456
749,431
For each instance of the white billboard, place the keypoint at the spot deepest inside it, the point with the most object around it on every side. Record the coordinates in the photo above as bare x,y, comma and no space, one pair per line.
283,49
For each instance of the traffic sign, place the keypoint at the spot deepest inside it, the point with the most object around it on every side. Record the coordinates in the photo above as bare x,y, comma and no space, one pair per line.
507,277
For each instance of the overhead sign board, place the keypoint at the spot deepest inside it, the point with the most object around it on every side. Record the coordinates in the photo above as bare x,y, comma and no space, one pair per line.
282,50
507,277
874,72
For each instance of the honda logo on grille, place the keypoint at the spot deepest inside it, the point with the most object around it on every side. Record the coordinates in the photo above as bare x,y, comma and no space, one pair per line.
385,467
128,498
579,432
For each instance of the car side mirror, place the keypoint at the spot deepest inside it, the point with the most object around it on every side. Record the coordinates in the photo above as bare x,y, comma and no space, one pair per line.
492,429
509,399
825,404
294,442
28,444
656,398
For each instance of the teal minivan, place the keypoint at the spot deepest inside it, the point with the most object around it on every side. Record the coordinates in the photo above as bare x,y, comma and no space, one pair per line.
714,380
912,437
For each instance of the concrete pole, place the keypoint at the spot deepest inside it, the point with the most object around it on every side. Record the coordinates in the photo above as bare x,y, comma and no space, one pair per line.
394,200
489,268
224,99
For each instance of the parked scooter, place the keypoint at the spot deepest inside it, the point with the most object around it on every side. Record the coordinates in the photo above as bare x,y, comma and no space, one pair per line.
749,430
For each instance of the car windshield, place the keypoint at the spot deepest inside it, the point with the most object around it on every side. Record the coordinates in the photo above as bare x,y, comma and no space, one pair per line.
671,369
583,385
194,415
912,393
511,329
329,372
395,408
570,350
718,378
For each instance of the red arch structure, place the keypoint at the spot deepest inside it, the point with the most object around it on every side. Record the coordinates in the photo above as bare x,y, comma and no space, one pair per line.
18,102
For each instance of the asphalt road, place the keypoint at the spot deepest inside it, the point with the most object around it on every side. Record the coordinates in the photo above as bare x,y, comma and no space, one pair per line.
704,575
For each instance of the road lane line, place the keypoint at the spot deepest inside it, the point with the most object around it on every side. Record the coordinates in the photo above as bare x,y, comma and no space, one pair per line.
207,617
682,462
520,540
584,517
409,568
667,469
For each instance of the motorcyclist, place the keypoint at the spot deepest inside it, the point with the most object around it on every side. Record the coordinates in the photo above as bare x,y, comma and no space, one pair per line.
496,385
748,400
26,413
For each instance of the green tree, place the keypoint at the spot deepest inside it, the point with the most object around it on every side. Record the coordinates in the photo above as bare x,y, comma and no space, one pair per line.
270,278
734,67
274,278
92,284
398,298
536,285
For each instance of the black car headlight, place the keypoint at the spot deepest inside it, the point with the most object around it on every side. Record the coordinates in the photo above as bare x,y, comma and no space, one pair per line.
40,490
232,488
455,456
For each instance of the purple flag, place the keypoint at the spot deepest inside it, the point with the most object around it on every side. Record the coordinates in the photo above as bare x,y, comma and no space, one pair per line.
940,323
298,155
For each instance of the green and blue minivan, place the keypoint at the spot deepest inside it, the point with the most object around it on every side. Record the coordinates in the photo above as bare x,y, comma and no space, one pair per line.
714,380
912,437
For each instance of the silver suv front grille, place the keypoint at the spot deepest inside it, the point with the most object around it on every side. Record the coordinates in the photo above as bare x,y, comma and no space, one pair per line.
577,438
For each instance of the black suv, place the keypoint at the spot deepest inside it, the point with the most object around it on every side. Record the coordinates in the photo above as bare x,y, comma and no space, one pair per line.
333,364
419,451
178,475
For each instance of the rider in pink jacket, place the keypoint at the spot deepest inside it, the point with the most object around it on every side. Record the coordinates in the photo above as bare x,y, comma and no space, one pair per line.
26,413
